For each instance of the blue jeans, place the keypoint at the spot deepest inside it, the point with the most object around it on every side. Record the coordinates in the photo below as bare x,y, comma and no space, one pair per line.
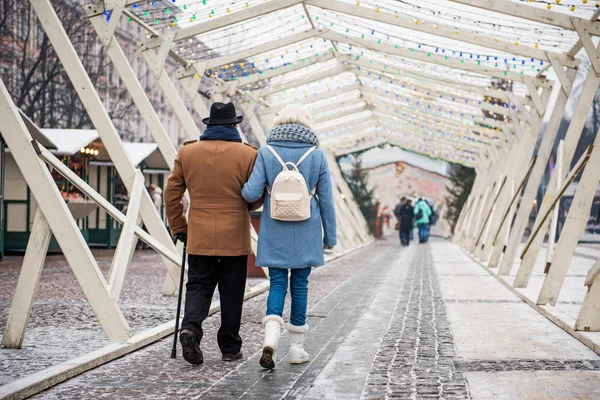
405,236
298,289
423,233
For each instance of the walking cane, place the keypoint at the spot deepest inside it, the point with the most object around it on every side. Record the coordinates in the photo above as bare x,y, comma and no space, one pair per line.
174,350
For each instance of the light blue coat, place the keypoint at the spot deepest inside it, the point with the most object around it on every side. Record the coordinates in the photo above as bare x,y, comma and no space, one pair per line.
283,244
426,211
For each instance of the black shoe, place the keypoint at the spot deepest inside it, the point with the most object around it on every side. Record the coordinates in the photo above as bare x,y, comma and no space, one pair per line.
232,357
191,348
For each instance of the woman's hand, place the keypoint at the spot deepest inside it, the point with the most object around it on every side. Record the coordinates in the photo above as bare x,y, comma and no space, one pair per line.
328,250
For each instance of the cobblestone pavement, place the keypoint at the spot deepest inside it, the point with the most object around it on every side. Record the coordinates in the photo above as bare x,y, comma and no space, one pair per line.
416,356
385,323
61,317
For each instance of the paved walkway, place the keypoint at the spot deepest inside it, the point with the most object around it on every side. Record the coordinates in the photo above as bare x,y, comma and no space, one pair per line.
386,322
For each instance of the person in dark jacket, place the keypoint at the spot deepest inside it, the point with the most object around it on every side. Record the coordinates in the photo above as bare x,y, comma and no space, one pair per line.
404,213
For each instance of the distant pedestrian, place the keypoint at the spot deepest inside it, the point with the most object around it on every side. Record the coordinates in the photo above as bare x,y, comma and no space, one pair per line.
291,248
422,212
156,195
404,213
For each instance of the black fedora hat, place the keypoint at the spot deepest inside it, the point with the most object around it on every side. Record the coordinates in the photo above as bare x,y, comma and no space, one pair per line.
223,114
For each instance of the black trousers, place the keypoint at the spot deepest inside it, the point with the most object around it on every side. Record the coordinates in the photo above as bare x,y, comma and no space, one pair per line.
204,274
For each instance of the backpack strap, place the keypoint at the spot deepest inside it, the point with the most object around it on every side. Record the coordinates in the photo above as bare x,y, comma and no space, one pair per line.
272,150
305,155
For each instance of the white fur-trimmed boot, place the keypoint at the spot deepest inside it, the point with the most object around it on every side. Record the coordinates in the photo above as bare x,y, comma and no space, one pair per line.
297,336
273,326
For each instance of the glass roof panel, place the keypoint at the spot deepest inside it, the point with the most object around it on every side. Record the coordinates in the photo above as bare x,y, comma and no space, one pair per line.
415,96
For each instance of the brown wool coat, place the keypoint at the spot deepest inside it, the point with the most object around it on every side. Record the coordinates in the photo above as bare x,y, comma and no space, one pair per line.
214,172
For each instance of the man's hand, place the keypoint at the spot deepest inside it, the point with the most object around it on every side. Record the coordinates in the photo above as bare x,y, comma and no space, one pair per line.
182,237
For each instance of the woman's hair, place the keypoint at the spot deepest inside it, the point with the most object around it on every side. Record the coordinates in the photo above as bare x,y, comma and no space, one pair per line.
294,114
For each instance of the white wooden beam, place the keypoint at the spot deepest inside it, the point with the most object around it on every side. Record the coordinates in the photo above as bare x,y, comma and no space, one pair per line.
588,319
572,137
434,59
135,89
531,249
403,74
328,73
259,133
263,48
269,74
477,39
29,278
60,220
127,240
479,104
172,96
110,209
230,19
312,99
530,13
107,31
558,168
329,118
466,136
106,129
392,101
574,226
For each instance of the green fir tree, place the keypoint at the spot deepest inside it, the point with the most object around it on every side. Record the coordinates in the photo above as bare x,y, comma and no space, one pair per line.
357,178
461,183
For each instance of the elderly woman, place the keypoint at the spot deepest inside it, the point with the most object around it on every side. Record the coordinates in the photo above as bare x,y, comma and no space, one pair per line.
291,248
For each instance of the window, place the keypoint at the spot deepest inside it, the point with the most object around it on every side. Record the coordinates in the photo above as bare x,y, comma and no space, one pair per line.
24,21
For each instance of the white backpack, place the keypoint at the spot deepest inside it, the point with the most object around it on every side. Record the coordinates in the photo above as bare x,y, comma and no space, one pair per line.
290,198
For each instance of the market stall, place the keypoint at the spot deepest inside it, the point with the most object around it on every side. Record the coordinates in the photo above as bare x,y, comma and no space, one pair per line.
104,231
18,206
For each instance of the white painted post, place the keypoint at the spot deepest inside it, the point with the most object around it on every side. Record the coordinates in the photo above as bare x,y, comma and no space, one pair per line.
554,221
478,251
505,220
589,315
29,278
574,227
529,258
476,216
518,160
485,216
127,240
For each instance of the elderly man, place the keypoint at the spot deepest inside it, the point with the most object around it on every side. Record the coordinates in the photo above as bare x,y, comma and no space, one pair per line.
213,170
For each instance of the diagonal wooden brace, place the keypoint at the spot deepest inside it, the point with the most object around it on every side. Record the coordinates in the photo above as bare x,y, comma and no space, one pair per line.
127,240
